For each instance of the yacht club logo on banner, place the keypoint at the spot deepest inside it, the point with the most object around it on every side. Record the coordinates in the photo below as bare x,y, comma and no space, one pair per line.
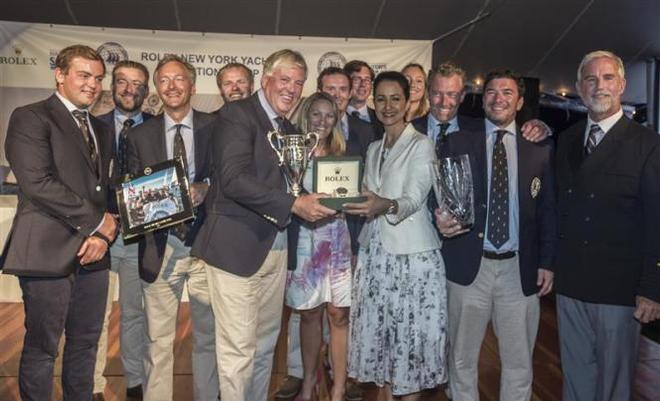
330,59
112,52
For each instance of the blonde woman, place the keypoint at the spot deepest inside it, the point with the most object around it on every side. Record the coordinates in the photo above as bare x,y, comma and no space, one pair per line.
320,256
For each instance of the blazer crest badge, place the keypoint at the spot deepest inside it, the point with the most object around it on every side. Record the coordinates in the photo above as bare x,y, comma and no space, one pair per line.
535,188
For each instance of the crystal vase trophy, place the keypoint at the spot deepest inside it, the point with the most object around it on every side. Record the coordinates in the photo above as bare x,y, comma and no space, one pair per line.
455,193
294,152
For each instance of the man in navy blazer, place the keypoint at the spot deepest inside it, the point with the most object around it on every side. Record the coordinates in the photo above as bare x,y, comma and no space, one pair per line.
608,256
496,268
165,263
58,243
130,86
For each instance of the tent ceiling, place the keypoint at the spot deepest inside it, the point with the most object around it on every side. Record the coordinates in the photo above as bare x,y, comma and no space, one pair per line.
538,38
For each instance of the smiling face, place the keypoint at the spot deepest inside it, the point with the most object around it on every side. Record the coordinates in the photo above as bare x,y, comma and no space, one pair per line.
445,96
390,103
321,118
339,87
174,86
361,85
81,84
502,101
129,89
283,88
234,84
417,83
601,87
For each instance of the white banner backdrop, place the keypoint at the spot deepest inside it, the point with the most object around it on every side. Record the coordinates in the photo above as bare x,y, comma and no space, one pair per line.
28,51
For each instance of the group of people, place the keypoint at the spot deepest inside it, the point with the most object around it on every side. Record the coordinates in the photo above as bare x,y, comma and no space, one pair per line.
404,289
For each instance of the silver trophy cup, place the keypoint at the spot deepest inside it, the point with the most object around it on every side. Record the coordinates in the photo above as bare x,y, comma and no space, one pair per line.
455,193
294,152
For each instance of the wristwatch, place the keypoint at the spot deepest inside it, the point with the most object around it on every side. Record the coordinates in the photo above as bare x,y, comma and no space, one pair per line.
394,207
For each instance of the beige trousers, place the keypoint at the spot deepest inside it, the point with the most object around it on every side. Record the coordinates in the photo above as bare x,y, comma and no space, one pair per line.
132,333
161,303
495,295
248,314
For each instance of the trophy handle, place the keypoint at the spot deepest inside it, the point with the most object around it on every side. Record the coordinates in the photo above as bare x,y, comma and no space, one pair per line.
316,142
271,142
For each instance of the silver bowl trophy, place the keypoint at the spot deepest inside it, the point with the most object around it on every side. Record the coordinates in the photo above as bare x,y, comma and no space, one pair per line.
293,152
455,193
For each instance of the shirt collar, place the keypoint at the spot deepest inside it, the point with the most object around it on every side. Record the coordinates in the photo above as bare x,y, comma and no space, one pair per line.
67,103
121,117
453,123
607,123
187,121
267,108
511,128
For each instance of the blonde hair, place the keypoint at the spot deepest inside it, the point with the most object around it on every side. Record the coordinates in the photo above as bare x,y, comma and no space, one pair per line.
598,54
284,58
337,143
424,105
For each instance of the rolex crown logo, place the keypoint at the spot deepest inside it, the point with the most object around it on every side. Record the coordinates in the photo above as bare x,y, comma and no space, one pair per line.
337,170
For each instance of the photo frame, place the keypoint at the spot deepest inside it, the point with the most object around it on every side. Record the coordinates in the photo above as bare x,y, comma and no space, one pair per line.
158,197
340,177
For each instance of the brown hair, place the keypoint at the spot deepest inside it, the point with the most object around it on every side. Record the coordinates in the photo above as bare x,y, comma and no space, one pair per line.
337,143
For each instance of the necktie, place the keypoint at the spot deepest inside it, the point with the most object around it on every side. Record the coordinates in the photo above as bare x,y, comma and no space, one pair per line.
441,138
179,150
122,147
594,130
285,126
498,205
81,117
179,147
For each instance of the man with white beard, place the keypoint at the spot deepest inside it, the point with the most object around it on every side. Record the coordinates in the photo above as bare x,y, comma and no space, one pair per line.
607,269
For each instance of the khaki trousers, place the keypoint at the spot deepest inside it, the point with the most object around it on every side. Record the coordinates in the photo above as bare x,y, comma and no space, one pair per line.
495,295
132,332
248,313
161,302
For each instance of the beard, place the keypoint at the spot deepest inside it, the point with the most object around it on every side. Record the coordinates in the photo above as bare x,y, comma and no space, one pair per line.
599,105
129,108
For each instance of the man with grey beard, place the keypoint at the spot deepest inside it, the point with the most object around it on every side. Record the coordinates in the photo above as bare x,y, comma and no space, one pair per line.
607,270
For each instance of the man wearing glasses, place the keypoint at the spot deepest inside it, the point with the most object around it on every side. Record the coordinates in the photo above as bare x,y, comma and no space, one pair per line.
362,76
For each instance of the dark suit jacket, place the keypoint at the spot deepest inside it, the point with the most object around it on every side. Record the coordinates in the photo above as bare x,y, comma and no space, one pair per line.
146,147
61,200
360,135
379,129
609,215
109,119
537,215
464,124
247,202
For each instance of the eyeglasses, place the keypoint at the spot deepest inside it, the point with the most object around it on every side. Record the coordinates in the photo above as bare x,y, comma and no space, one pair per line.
359,80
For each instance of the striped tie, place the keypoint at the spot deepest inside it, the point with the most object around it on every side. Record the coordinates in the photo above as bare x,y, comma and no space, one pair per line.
592,142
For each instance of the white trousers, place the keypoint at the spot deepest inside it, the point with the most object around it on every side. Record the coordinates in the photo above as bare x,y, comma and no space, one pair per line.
248,316
496,294
161,302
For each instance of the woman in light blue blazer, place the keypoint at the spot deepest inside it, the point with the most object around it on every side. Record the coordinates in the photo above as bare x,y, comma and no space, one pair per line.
398,317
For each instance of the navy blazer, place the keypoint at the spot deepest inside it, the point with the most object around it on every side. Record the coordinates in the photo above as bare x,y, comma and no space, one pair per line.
109,119
537,212
62,199
147,146
609,208
247,202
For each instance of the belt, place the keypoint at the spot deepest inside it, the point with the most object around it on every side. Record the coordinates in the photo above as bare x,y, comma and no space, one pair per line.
499,256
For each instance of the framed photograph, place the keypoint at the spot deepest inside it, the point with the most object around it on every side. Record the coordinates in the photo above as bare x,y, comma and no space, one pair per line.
340,177
159,197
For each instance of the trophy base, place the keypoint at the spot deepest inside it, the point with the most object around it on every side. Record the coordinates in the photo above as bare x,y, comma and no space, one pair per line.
336,203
